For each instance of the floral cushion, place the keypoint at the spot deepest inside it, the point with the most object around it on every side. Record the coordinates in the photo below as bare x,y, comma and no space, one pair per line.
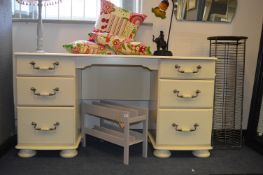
121,45
118,21
87,47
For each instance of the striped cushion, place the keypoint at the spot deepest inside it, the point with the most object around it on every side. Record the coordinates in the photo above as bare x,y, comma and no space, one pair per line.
118,21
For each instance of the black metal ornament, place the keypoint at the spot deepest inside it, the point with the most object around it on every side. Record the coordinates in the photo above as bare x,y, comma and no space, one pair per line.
162,47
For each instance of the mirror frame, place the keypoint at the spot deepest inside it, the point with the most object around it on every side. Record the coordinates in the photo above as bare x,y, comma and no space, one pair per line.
232,8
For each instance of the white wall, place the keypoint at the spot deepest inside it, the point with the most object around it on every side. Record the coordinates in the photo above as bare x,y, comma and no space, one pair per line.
248,22
187,38
55,35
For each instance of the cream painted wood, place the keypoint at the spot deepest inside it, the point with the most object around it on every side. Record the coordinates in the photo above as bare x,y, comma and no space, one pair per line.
99,56
161,68
201,153
78,95
177,147
183,93
83,60
46,93
168,134
65,96
50,146
45,118
69,153
181,106
44,66
187,69
162,153
27,153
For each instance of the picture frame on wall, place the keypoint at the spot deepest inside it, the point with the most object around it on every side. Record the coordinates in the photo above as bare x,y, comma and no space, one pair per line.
191,4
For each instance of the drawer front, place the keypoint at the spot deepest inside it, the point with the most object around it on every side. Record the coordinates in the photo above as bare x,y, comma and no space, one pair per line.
186,93
184,127
47,125
45,67
45,91
187,69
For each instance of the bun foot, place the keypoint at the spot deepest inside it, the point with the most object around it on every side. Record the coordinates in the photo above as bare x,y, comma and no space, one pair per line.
70,153
26,153
162,153
201,153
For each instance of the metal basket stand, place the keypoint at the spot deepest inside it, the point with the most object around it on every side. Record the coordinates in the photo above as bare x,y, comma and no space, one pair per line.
229,84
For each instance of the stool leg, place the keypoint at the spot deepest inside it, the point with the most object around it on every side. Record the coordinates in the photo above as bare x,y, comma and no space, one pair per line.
145,137
126,145
126,155
83,140
101,122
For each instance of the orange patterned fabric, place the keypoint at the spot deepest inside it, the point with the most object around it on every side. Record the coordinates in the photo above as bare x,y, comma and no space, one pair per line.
121,45
87,47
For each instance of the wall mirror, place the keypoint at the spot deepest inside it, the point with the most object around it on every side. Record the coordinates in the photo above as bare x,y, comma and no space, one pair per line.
206,10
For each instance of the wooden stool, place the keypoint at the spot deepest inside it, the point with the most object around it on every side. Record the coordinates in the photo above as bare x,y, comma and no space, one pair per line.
120,135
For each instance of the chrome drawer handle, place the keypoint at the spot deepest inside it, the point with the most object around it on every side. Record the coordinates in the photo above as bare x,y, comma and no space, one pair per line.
55,125
176,127
45,94
197,70
197,92
53,67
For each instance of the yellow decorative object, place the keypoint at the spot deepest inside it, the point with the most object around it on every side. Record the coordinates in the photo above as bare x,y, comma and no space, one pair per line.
160,11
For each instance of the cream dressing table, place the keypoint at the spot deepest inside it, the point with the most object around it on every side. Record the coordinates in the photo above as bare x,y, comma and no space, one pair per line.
47,100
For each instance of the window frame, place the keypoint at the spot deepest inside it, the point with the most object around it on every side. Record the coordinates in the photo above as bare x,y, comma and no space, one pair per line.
71,19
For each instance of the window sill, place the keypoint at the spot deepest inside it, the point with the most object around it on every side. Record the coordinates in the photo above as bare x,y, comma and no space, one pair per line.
56,21
65,21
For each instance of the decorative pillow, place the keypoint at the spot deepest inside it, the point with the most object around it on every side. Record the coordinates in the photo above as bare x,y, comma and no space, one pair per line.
135,48
87,47
105,38
118,21
121,45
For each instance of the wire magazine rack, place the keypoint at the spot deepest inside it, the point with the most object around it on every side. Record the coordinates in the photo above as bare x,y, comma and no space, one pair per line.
229,88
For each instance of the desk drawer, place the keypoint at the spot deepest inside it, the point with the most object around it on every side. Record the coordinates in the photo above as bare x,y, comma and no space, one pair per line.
184,127
51,125
45,91
186,93
45,67
187,69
